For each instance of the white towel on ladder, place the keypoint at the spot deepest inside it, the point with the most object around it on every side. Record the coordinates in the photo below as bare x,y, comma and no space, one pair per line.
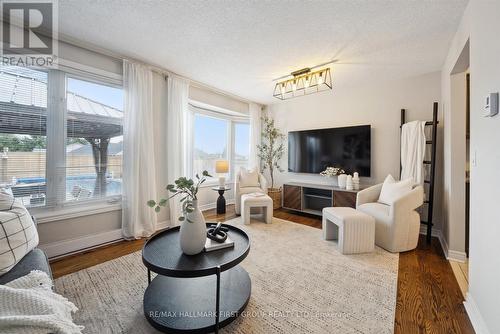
413,151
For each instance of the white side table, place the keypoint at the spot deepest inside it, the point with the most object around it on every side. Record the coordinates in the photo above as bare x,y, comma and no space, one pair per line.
249,201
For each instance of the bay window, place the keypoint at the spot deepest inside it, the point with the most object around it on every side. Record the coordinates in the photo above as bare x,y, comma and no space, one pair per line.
60,137
219,136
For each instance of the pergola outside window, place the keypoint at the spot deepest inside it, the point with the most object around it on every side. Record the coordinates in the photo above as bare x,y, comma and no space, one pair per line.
58,145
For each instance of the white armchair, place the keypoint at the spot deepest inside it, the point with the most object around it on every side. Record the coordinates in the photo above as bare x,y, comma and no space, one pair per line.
397,226
238,191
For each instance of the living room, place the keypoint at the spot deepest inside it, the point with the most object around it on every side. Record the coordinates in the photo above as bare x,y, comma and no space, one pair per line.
347,149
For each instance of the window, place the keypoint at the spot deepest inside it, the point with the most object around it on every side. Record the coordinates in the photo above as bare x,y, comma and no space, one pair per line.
94,139
219,137
23,142
210,142
53,153
241,145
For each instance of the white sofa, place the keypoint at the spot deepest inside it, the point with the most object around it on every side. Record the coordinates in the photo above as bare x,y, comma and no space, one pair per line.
238,191
397,226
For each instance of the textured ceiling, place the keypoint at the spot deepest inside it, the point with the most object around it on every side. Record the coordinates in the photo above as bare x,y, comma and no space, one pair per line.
240,46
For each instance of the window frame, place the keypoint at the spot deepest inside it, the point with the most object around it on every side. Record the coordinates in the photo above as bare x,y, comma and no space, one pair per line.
56,157
232,118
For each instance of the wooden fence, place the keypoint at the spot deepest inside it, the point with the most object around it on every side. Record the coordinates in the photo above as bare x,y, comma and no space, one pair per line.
32,164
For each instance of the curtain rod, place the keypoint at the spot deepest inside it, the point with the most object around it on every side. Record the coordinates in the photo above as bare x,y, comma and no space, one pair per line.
160,70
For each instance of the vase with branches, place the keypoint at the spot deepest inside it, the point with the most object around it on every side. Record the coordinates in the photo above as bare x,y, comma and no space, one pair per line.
270,152
193,230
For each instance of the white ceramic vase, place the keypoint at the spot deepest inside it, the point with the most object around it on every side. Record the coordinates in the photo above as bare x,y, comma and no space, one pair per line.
341,180
349,185
193,233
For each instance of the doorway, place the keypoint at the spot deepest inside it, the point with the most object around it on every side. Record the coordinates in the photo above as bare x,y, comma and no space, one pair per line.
460,162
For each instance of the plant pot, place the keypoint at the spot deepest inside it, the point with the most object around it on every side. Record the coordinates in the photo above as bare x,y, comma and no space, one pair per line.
275,194
193,233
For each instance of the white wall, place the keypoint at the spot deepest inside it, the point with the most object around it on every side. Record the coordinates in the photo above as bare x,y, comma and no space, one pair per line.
480,24
484,267
376,104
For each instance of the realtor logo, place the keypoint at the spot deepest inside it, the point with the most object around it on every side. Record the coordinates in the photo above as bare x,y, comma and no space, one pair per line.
29,33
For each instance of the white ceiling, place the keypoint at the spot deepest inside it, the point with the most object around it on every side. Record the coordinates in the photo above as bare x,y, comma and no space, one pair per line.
240,46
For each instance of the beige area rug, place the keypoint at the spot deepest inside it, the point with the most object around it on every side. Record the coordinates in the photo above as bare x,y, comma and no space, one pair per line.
300,284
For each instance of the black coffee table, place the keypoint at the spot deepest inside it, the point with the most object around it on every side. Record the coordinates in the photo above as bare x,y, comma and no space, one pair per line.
195,293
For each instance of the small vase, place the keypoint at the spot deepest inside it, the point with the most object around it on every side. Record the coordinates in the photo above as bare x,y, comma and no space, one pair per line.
341,179
349,185
193,233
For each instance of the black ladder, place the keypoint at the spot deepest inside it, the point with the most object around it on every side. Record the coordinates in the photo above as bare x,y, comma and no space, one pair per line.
429,198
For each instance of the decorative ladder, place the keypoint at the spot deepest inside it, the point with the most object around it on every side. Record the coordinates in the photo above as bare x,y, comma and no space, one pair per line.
429,201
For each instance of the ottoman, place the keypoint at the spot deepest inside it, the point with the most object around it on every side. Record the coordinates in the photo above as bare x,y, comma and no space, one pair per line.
354,229
249,201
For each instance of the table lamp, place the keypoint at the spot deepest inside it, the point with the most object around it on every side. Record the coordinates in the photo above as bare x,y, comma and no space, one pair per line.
221,168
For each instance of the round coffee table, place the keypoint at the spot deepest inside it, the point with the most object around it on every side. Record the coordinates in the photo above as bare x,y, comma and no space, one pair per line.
195,293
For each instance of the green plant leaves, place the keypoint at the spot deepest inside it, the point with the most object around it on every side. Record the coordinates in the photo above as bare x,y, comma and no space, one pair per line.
182,186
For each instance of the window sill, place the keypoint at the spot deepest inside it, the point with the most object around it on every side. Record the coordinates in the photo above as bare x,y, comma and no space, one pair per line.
47,215
211,184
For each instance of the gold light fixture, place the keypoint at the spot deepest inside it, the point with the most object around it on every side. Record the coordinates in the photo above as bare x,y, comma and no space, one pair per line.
303,82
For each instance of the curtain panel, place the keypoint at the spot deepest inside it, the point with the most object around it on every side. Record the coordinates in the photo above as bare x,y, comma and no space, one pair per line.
179,138
144,148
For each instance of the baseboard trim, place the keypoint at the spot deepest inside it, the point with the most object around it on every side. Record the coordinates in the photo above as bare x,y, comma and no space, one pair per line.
448,253
58,249
475,316
67,247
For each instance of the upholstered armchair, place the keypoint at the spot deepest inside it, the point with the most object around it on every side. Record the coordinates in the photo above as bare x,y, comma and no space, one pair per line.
239,190
397,226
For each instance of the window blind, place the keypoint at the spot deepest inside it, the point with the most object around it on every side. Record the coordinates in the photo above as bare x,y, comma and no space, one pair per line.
23,141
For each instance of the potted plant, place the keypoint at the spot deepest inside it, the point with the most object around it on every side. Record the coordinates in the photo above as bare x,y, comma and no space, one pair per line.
270,152
193,230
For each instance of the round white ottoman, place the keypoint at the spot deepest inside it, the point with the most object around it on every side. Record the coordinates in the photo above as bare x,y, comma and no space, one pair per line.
354,229
249,201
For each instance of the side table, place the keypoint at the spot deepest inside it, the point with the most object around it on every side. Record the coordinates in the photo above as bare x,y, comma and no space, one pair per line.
221,201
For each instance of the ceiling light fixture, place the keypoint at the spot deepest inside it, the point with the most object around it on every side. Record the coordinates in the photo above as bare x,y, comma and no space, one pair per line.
303,82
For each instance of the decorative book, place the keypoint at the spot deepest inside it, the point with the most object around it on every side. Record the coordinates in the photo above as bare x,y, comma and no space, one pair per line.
211,245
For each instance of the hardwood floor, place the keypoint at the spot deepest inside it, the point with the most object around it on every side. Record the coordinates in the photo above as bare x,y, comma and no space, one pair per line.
86,259
429,299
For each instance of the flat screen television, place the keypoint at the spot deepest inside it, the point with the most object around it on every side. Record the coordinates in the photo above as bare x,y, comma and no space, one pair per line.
311,151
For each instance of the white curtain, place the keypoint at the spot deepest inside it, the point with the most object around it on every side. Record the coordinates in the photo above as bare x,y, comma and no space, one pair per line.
255,134
179,138
142,146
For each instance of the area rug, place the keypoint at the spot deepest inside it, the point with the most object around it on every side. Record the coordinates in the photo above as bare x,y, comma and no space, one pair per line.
300,284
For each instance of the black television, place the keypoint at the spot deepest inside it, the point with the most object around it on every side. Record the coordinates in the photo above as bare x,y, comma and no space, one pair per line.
311,151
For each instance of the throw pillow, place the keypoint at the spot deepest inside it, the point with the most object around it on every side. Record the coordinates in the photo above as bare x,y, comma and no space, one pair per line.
392,190
18,234
249,178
